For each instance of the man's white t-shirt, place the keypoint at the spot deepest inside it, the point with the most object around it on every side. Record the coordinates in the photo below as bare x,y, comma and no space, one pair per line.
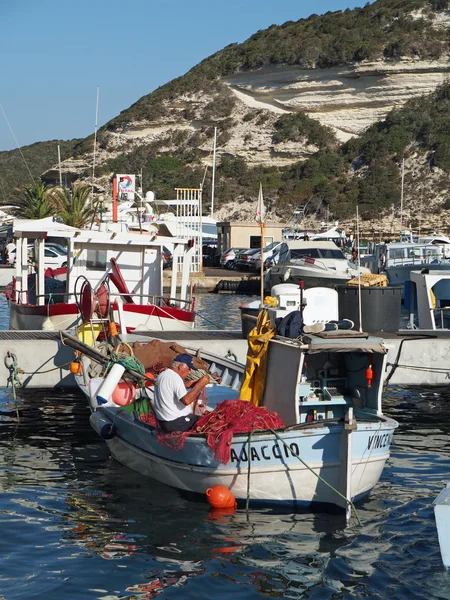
169,389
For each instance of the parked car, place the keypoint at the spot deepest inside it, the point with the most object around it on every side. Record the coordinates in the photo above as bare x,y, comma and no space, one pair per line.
270,254
57,248
228,257
210,256
52,258
243,260
167,258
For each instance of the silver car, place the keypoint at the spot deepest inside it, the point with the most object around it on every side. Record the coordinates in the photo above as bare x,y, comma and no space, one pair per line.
229,256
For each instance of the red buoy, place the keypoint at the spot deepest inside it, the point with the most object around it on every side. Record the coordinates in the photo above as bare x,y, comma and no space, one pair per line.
369,376
220,496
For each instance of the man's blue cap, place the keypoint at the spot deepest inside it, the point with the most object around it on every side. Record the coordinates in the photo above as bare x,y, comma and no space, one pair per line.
186,359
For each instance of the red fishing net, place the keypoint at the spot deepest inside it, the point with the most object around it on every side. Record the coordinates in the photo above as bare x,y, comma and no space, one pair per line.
219,426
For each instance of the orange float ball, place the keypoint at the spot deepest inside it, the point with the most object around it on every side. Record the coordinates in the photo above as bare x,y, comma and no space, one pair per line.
220,496
75,367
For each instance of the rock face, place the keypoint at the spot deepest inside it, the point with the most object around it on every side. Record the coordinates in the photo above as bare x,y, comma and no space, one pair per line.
347,99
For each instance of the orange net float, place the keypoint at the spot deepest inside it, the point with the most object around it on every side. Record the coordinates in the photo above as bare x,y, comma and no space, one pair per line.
150,376
75,367
219,496
113,329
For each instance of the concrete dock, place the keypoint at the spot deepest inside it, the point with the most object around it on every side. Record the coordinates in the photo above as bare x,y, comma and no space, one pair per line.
413,358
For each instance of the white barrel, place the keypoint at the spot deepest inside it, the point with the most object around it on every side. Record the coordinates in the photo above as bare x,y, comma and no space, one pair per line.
109,385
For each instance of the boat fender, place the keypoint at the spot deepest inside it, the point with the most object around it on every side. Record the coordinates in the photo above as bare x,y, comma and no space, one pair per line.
109,385
124,393
75,367
219,496
108,431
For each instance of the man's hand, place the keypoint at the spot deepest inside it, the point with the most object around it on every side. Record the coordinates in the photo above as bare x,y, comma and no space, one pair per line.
195,390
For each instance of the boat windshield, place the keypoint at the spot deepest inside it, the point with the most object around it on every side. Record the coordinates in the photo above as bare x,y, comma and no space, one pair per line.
299,253
335,254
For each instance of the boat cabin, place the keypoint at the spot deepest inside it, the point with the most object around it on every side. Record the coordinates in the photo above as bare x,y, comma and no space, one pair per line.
324,375
310,252
406,253
430,291
137,259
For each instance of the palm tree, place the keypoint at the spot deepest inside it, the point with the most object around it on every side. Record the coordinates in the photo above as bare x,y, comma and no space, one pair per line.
73,205
32,202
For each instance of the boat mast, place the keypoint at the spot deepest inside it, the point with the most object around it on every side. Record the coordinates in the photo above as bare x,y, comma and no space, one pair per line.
59,166
213,173
401,198
95,145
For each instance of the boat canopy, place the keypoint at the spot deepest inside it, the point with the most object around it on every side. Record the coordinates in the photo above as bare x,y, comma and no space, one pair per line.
332,343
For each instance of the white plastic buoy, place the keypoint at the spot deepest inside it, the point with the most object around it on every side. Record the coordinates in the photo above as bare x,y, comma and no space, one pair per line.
109,385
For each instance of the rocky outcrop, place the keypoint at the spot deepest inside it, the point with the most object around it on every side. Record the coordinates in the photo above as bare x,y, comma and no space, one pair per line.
347,99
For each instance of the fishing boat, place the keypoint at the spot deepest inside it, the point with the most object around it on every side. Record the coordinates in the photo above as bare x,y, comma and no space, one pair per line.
333,445
121,270
317,263
398,259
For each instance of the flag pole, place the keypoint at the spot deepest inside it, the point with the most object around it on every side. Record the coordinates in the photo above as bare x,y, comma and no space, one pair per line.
261,217
262,263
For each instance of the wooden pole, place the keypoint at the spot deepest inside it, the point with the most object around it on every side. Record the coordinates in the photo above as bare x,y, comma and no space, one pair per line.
262,264
114,197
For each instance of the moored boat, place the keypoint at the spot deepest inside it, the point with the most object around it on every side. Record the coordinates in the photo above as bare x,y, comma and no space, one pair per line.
317,263
331,449
128,266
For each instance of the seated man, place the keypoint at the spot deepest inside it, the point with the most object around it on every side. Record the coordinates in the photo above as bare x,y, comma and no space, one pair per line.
173,402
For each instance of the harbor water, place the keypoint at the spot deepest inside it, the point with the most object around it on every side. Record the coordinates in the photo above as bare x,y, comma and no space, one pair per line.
76,525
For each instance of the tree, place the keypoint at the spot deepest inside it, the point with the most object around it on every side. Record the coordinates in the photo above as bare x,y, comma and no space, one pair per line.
32,202
73,205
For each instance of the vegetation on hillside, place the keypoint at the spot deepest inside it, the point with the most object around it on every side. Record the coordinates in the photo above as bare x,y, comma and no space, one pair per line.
23,167
364,171
385,29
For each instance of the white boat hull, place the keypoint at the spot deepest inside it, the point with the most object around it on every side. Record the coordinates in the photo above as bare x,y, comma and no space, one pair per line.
280,478
310,277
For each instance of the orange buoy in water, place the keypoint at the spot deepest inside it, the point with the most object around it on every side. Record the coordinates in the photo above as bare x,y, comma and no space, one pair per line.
220,496
124,393
219,514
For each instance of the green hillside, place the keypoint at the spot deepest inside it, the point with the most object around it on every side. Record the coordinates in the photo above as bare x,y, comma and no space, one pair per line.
22,167
364,171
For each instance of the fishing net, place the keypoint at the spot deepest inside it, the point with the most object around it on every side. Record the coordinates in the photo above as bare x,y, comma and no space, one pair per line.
218,426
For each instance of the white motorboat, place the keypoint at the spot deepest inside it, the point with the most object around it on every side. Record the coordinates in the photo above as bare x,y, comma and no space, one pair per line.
316,263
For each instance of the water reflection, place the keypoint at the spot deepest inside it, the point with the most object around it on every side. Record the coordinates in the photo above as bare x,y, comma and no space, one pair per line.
70,516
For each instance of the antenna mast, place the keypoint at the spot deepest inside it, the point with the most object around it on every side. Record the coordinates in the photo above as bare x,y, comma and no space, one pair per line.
95,145
213,173
59,166
401,198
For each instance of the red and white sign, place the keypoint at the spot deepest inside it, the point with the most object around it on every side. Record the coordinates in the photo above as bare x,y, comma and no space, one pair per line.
126,184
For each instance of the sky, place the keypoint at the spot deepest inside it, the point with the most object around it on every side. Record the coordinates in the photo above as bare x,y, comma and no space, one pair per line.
55,54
